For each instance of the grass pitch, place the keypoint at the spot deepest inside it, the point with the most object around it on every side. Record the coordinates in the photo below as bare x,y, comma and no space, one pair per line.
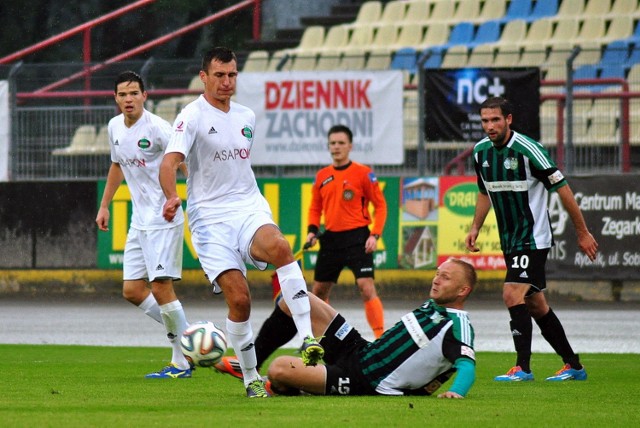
84,386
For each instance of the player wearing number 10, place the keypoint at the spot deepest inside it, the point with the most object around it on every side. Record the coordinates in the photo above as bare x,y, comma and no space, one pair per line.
515,174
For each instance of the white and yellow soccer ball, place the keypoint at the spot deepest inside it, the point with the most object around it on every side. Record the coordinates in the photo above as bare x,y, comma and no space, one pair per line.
203,343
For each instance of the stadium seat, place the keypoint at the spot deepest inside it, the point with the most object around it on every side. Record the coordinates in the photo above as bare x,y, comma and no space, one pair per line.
461,34
612,71
539,32
379,58
280,60
434,58
590,53
533,56
492,10
82,141
405,59
634,57
455,57
513,32
487,32
565,30
604,117
167,109
597,8
620,27
353,59
368,14
329,59
570,9
409,35
385,36
556,63
623,7
195,84
418,11
312,39
436,34
257,61
593,28
616,52
101,144
518,9
337,37
468,10
303,61
635,37
543,9
442,11
481,56
361,37
393,13
506,56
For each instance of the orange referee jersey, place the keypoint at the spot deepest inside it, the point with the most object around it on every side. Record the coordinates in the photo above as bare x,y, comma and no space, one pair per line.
343,194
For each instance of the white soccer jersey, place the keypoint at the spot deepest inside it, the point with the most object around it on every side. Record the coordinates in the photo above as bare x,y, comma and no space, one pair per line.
217,148
139,151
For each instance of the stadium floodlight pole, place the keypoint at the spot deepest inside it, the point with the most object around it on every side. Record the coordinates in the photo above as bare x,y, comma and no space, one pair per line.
568,156
422,150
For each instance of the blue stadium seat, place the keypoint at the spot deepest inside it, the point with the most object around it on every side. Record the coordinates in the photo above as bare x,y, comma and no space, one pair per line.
616,52
613,71
635,37
461,34
518,9
434,60
543,9
634,56
404,59
487,32
587,71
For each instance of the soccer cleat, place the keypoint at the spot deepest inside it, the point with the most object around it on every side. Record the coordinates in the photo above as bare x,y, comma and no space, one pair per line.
257,389
568,373
515,374
229,365
311,351
170,372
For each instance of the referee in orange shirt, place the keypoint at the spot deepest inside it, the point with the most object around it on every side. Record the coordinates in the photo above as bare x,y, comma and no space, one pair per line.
342,192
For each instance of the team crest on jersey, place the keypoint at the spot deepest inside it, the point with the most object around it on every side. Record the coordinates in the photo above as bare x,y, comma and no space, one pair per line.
247,132
510,163
144,144
347,194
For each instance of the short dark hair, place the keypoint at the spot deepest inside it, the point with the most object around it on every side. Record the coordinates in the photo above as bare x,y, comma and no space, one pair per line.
498,102
341,128
219,53
128,76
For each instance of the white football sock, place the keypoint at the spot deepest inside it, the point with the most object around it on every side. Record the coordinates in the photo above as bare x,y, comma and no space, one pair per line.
294,291
240,335
151,308
175,322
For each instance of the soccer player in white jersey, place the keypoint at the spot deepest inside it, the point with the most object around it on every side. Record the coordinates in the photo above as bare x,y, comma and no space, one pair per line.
153,250
515,175
414,357
230,220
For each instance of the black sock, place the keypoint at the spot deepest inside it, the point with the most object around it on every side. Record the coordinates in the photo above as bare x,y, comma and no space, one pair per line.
521,330
553,332
276,330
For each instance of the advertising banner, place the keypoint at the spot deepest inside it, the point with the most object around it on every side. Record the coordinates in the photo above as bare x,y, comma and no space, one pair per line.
454,97
294,111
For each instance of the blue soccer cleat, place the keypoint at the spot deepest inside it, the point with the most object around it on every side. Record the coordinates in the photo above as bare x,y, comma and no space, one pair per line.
515,374
170,372
568,373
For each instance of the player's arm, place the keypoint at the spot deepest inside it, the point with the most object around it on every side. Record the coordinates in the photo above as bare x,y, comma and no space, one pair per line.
586,241
114,178
313,218
483,205
168,168
465,377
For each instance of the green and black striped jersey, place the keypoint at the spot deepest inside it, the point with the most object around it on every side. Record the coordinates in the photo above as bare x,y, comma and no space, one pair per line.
517,177
417,349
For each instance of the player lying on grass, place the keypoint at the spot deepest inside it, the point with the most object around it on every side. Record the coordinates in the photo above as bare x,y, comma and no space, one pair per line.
413,357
